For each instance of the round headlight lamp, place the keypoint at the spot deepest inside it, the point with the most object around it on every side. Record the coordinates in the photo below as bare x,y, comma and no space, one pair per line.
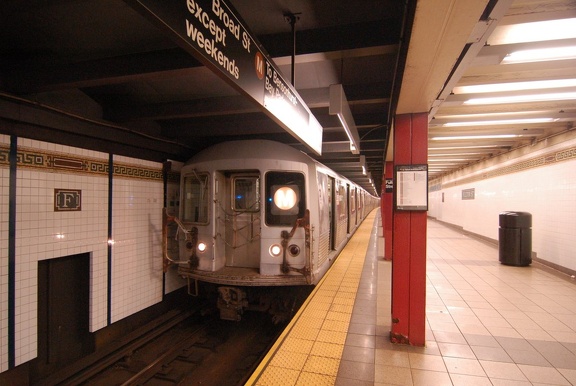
201,246
275,250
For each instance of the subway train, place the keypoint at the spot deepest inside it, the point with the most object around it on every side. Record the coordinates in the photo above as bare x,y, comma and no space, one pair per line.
256,215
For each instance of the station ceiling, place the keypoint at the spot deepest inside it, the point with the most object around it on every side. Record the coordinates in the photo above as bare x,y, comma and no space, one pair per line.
101,75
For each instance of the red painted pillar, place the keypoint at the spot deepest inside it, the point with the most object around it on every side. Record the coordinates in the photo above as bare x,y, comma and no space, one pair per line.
383,200
409,240
388,210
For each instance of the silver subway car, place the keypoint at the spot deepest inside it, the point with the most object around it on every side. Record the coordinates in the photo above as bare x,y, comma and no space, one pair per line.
258,213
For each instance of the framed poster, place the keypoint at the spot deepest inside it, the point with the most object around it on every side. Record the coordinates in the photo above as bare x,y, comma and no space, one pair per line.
411,187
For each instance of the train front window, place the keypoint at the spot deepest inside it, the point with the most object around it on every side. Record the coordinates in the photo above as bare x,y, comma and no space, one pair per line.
285,198
195,199
246,195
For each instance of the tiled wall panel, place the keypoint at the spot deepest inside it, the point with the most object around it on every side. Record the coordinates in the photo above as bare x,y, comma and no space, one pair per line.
43,233
137,234
544,185
4,184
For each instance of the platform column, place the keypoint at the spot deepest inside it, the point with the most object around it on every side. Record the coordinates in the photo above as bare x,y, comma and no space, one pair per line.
388,209
409,240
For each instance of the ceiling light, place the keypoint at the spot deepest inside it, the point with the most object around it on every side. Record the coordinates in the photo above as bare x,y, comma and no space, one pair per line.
464,147
514,86
540,55
534,32
522,98
499,122
460,154
435,161
469,137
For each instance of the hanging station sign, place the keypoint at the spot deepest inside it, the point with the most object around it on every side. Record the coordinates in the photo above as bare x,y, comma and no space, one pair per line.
213,32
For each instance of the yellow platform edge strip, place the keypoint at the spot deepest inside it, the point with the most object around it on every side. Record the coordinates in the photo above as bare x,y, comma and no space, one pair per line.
274,349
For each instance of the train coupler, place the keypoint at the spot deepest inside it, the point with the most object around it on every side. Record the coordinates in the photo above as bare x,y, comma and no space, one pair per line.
231,302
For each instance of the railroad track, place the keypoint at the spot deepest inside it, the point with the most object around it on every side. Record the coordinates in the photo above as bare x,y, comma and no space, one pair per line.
187,349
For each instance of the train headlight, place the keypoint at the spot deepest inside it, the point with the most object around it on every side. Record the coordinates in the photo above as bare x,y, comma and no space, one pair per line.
285,198
275,250
201,247
294,250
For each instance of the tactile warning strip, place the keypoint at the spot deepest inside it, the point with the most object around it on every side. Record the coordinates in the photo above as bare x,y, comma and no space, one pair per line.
309,350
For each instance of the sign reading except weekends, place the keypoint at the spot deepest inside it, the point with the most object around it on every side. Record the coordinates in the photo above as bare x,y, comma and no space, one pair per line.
212,31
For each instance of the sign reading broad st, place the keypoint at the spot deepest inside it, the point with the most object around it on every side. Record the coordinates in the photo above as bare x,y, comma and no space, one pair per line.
213,32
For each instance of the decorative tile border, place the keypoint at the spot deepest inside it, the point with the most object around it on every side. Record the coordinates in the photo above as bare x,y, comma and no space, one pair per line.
60,162
543,160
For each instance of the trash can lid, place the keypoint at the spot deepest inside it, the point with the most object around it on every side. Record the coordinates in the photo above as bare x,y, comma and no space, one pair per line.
515,219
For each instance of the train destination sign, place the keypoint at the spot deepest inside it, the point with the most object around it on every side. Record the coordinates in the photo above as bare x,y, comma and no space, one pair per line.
213,32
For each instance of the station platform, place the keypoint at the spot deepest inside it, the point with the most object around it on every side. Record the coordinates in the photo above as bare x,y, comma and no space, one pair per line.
487,323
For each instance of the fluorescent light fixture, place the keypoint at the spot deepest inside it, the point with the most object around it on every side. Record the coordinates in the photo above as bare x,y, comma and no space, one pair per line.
339,106
363,164
499,122
304,126
465,147
514,86
559,96
540,55
470,137
538,31
449,159
463,153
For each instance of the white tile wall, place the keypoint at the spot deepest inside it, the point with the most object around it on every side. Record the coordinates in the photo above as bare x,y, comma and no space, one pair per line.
547,192
42,233
4,180
137,250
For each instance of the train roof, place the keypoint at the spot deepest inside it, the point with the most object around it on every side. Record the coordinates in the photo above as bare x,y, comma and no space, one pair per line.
250,149
258,149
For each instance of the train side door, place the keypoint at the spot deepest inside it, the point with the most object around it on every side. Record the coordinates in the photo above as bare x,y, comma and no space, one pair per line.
332,212
243,221
348,209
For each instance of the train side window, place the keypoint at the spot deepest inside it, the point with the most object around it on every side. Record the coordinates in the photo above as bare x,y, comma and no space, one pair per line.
285,198
246,194
196,198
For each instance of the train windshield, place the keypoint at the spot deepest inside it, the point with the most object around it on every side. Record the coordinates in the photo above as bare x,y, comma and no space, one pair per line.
246,194
195,198
285,201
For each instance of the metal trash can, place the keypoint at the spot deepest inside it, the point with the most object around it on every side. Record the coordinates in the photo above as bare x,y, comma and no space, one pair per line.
515,238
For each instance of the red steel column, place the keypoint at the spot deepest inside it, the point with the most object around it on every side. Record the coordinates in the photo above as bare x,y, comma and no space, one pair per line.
388,211
409,241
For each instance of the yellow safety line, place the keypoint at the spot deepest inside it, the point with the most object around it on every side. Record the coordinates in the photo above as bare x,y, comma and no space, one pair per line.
273,350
